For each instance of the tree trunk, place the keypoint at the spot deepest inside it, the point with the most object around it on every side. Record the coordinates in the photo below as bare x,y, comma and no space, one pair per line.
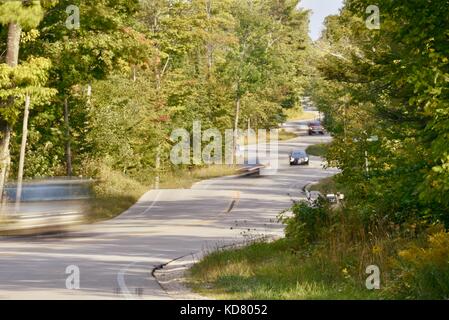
209,45
5,158
23,149
237,113
12,59
12,54
68,149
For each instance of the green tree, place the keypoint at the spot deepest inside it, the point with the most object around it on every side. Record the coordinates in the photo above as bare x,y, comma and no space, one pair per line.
391,83
16,15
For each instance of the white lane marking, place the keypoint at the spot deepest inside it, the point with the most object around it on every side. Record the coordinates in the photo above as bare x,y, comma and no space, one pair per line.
152,204
122,273
121,281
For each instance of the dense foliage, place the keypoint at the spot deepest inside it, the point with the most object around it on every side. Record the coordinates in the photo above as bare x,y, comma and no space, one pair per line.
385,94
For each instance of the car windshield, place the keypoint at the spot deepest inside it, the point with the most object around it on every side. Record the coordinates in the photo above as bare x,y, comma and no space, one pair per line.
315,124
298,154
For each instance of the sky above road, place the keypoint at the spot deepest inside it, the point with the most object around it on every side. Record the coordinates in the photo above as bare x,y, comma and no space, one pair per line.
320,10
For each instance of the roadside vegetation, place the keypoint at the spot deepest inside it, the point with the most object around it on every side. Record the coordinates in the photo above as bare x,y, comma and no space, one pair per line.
297,113
271,271
325,255
286,135
318,150
107,95
385,97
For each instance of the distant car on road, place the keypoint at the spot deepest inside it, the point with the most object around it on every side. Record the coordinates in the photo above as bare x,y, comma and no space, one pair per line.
298,157
315,127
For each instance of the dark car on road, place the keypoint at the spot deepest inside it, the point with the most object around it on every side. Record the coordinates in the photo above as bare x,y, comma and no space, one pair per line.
315,127
299,157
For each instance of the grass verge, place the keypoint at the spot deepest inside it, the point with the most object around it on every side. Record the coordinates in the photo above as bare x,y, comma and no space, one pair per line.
318,150
184,179
286,135
272,271
299,114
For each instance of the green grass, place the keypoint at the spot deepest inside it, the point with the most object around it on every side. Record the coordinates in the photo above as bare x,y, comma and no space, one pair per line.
318,150
331,269
184,179
286,135
299,114
114,193
272,271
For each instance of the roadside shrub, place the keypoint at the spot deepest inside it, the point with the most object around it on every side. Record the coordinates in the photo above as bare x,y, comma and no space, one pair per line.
305,226
113,191
112,183
423,271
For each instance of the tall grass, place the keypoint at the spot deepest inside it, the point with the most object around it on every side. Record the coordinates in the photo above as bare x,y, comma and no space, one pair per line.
271,271
185,178
299,114
114,193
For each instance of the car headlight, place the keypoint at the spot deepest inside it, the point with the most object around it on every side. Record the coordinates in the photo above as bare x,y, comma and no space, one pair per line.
292,159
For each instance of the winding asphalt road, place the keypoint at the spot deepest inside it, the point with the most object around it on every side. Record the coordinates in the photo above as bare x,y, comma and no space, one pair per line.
115,258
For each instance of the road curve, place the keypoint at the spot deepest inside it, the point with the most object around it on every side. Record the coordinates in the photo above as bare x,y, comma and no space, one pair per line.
115,258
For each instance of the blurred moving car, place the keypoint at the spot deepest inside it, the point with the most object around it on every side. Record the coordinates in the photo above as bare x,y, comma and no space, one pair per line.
298,157
46,205
315,127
